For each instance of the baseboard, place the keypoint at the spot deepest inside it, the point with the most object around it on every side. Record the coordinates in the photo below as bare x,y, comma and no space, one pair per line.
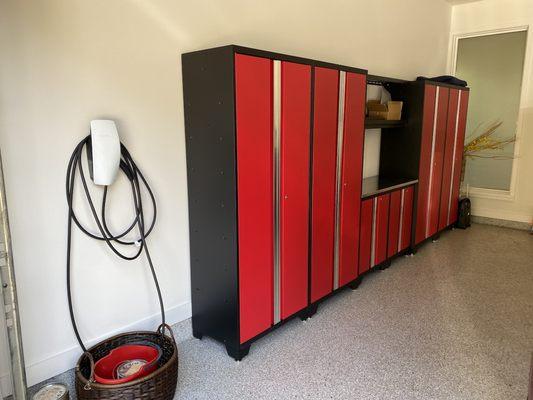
65,360
501,222
501,214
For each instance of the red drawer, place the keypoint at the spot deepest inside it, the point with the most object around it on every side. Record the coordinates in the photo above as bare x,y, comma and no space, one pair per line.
406,218
394,222
365,238
381,222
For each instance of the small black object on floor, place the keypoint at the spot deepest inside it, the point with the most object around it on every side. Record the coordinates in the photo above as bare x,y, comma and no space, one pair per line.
463,219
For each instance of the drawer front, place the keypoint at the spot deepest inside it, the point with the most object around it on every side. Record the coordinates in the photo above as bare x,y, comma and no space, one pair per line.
365,237
381,225
395,210
406,219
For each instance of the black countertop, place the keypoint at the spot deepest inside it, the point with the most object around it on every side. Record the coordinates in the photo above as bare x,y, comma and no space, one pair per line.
377,184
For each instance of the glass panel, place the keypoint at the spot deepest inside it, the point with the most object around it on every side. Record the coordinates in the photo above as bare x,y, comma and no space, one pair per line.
492,65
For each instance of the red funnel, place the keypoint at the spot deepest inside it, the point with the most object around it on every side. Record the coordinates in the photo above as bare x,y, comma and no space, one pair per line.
126,363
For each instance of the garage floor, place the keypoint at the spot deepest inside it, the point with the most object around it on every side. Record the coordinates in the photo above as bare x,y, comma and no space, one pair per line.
453,322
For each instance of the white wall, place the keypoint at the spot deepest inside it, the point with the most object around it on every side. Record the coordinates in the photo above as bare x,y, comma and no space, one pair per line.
489,15
67,62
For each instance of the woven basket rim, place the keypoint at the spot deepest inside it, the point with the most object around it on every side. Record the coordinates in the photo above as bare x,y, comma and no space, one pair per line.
158,371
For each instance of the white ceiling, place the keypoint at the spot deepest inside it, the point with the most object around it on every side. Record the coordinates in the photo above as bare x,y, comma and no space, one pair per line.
454,2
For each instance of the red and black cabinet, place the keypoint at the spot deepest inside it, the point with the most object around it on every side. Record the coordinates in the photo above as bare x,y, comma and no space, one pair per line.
338,134
274,159
443,123
386,221
279,214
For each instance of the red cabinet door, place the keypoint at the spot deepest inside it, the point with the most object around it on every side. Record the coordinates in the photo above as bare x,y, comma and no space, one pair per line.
430,93
437,157
447,166
394,222
294,181
365,237
381,225
458,157
253,92
406,218
351,176
325,115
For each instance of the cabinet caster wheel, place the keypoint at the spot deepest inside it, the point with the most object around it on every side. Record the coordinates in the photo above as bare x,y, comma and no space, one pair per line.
384,266
238,354
197,335
309,312
355,284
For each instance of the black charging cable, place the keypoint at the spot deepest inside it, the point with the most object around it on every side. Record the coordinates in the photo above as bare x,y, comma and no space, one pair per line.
135,177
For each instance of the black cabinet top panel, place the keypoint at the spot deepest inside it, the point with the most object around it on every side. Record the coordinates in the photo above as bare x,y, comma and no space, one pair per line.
286,57
375,185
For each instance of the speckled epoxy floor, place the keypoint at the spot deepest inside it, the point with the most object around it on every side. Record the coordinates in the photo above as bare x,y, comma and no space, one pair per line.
453,322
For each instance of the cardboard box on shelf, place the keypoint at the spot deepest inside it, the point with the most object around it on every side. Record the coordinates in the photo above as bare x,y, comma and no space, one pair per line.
391,111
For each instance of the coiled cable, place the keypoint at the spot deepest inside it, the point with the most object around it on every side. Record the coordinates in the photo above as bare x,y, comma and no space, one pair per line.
136,179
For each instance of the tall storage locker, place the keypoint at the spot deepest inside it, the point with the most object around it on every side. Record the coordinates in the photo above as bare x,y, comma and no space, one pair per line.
441,148
453,201
274,160
338,132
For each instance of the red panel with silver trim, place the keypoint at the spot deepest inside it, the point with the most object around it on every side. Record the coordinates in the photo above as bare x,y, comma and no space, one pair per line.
294,199
437,157
430,93
447,167
365,237
381,223
407,218
394,222
458,159
351,176
323,182
253,96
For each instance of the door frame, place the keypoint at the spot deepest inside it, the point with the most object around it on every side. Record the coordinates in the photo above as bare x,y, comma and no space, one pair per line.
498,194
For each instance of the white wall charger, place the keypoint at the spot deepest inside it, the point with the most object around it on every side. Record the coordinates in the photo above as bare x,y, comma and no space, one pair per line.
105,149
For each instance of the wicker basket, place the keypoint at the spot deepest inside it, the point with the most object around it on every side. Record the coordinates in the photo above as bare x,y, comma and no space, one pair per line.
159,385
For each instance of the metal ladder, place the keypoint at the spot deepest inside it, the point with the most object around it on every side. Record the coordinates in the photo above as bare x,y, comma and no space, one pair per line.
8,291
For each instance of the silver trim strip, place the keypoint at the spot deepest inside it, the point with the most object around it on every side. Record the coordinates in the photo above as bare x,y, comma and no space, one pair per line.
373,247
276,81
338,187
401,221
454,152
432,159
